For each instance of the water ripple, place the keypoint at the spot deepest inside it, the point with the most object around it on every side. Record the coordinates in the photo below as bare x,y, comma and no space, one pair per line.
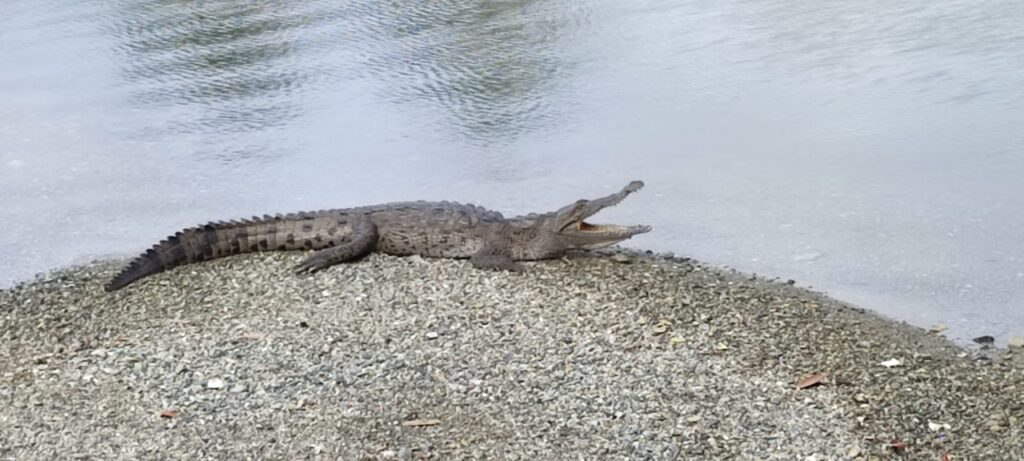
225,67
229,66
492,66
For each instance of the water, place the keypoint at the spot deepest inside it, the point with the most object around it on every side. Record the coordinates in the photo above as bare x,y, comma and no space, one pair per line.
869,149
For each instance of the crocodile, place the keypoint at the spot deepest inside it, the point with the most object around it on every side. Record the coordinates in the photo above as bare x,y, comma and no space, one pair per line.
429,229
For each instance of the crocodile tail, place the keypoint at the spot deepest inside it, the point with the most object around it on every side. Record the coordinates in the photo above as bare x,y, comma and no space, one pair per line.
220,239
145,264
185,247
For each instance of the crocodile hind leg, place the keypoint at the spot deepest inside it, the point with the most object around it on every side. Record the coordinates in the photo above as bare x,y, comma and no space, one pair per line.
361,243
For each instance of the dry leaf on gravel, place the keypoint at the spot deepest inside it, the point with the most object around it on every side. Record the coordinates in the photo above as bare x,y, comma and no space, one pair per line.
421,422
169,413
812,380
253,336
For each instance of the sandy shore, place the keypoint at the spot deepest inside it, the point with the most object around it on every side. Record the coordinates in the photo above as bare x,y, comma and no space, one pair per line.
404,358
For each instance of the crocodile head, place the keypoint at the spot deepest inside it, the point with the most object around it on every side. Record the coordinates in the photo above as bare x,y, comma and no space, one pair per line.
571,229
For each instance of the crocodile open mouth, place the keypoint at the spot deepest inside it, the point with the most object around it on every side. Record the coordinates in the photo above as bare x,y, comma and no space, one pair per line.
572,219
583,226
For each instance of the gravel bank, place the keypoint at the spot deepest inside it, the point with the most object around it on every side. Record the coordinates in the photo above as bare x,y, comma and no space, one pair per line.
404,358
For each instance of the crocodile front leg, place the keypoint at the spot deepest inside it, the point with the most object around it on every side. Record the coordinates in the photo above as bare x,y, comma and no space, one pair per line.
362,242
495,256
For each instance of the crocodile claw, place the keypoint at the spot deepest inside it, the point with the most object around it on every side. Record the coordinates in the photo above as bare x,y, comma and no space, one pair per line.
312,264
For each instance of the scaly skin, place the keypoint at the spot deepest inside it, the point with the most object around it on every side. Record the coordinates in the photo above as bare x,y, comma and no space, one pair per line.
430,229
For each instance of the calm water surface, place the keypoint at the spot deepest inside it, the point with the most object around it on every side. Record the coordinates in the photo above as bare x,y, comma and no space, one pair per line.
873,149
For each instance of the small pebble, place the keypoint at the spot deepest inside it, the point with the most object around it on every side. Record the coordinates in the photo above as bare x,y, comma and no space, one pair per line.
621,258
